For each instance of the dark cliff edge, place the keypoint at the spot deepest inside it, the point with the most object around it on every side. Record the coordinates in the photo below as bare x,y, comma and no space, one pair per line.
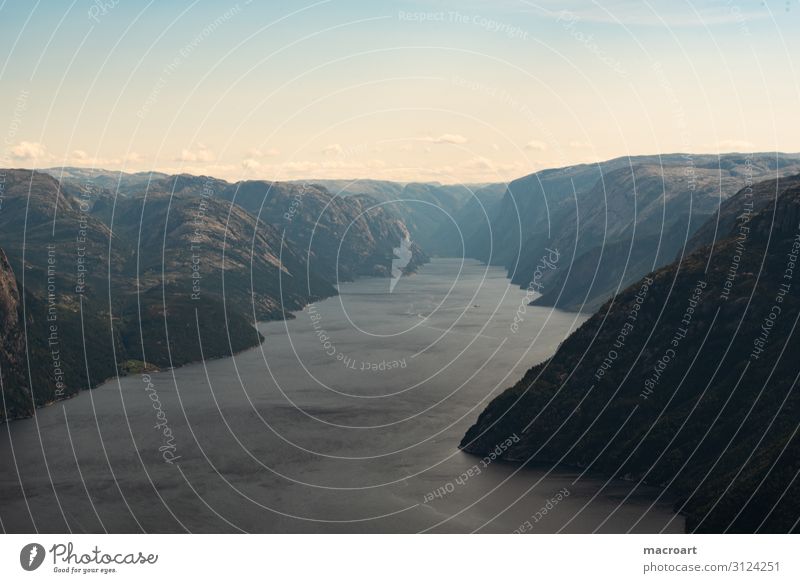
685,380
16,399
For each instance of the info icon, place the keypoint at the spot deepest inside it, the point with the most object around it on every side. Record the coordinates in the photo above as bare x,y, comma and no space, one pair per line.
31,556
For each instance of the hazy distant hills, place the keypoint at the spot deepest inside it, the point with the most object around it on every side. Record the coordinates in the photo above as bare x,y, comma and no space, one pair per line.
438,216
325,226
686,380
168,273
123,183
611,222
614,221
319,224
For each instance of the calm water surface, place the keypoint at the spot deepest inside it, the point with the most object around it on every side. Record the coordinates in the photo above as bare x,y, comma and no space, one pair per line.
346,419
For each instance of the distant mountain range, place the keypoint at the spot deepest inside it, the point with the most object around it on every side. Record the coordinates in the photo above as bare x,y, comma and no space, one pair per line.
441,218
686,379
116,283
610,222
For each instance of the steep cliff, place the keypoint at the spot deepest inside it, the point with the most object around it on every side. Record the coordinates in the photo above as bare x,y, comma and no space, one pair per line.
687,380
16,399
169,270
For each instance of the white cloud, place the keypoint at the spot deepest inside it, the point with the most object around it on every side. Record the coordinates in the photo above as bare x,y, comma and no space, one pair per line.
471,169
446,139
478,166
536,145
28,151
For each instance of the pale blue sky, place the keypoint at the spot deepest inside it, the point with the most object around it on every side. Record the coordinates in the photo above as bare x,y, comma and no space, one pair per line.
408,90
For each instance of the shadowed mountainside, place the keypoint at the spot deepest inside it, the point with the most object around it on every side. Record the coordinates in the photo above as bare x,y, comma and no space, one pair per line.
686,380
438,216
614,221
170,273
16,397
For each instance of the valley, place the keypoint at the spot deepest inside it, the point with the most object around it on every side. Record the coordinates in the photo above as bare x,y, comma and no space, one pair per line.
412,306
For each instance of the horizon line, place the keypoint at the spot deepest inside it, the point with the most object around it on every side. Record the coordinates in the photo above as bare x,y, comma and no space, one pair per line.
107,170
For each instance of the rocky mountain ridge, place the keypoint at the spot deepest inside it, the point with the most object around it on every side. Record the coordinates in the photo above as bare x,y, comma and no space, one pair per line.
171,272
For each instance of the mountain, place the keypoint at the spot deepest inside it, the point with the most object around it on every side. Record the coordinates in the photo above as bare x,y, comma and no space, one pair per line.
748,201
341,237
437,215
685,380
40,226
431,212
16,398
60,257
170,273
612,222
99,179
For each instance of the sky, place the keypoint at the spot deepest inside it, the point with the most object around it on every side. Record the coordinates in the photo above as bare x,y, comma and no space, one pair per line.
438,90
